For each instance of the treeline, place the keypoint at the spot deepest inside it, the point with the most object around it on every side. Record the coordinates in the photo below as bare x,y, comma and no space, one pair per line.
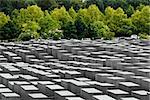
7,6
73,19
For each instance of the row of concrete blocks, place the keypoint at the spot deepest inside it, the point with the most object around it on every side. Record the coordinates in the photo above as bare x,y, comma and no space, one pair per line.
82,89
102,89
8,75
54,53
114,64
87,72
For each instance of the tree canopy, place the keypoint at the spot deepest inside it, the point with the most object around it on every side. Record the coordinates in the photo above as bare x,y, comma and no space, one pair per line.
27,19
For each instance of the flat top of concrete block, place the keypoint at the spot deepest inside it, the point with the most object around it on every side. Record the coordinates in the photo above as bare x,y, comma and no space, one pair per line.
91,90
73,72
83,79
10,53
14,69
126,73
45,82
79,83
74,98
147,80
92,82
4,90
5,75
65,93
105,84
138,77
104,74
113,71
17,57
117,91
93,70
1,85
141,92
29,87
20,82
103,97
144,70
28,77
129,98
37,95
52,76
129,84
40,67
54,87
57,80
10,95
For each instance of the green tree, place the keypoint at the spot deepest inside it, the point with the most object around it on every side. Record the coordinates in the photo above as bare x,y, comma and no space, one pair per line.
70,30
61,15
32,13
76,4
82,22
136,3
141,20
27,20
99,30
8,6
56,34
94,13
129,10
118,22
9,31
47,4
82,28
29,31
98,3
84,18
72,13
144,36
3,19
48,24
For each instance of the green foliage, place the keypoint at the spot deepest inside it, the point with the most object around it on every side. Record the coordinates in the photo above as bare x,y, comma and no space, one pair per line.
29,31
34,23
144,36
8,6
76,4
47,23
47,4
100,30
4,22
94,14
32,13
70,19
98,3
129,10
28,21
61,15
72,13
70,30
56,34
3,19
9,31
25,36
118,22
141,20
82,23
84,18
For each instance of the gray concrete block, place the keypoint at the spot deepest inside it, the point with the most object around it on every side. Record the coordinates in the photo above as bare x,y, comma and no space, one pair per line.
10,96
88,93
